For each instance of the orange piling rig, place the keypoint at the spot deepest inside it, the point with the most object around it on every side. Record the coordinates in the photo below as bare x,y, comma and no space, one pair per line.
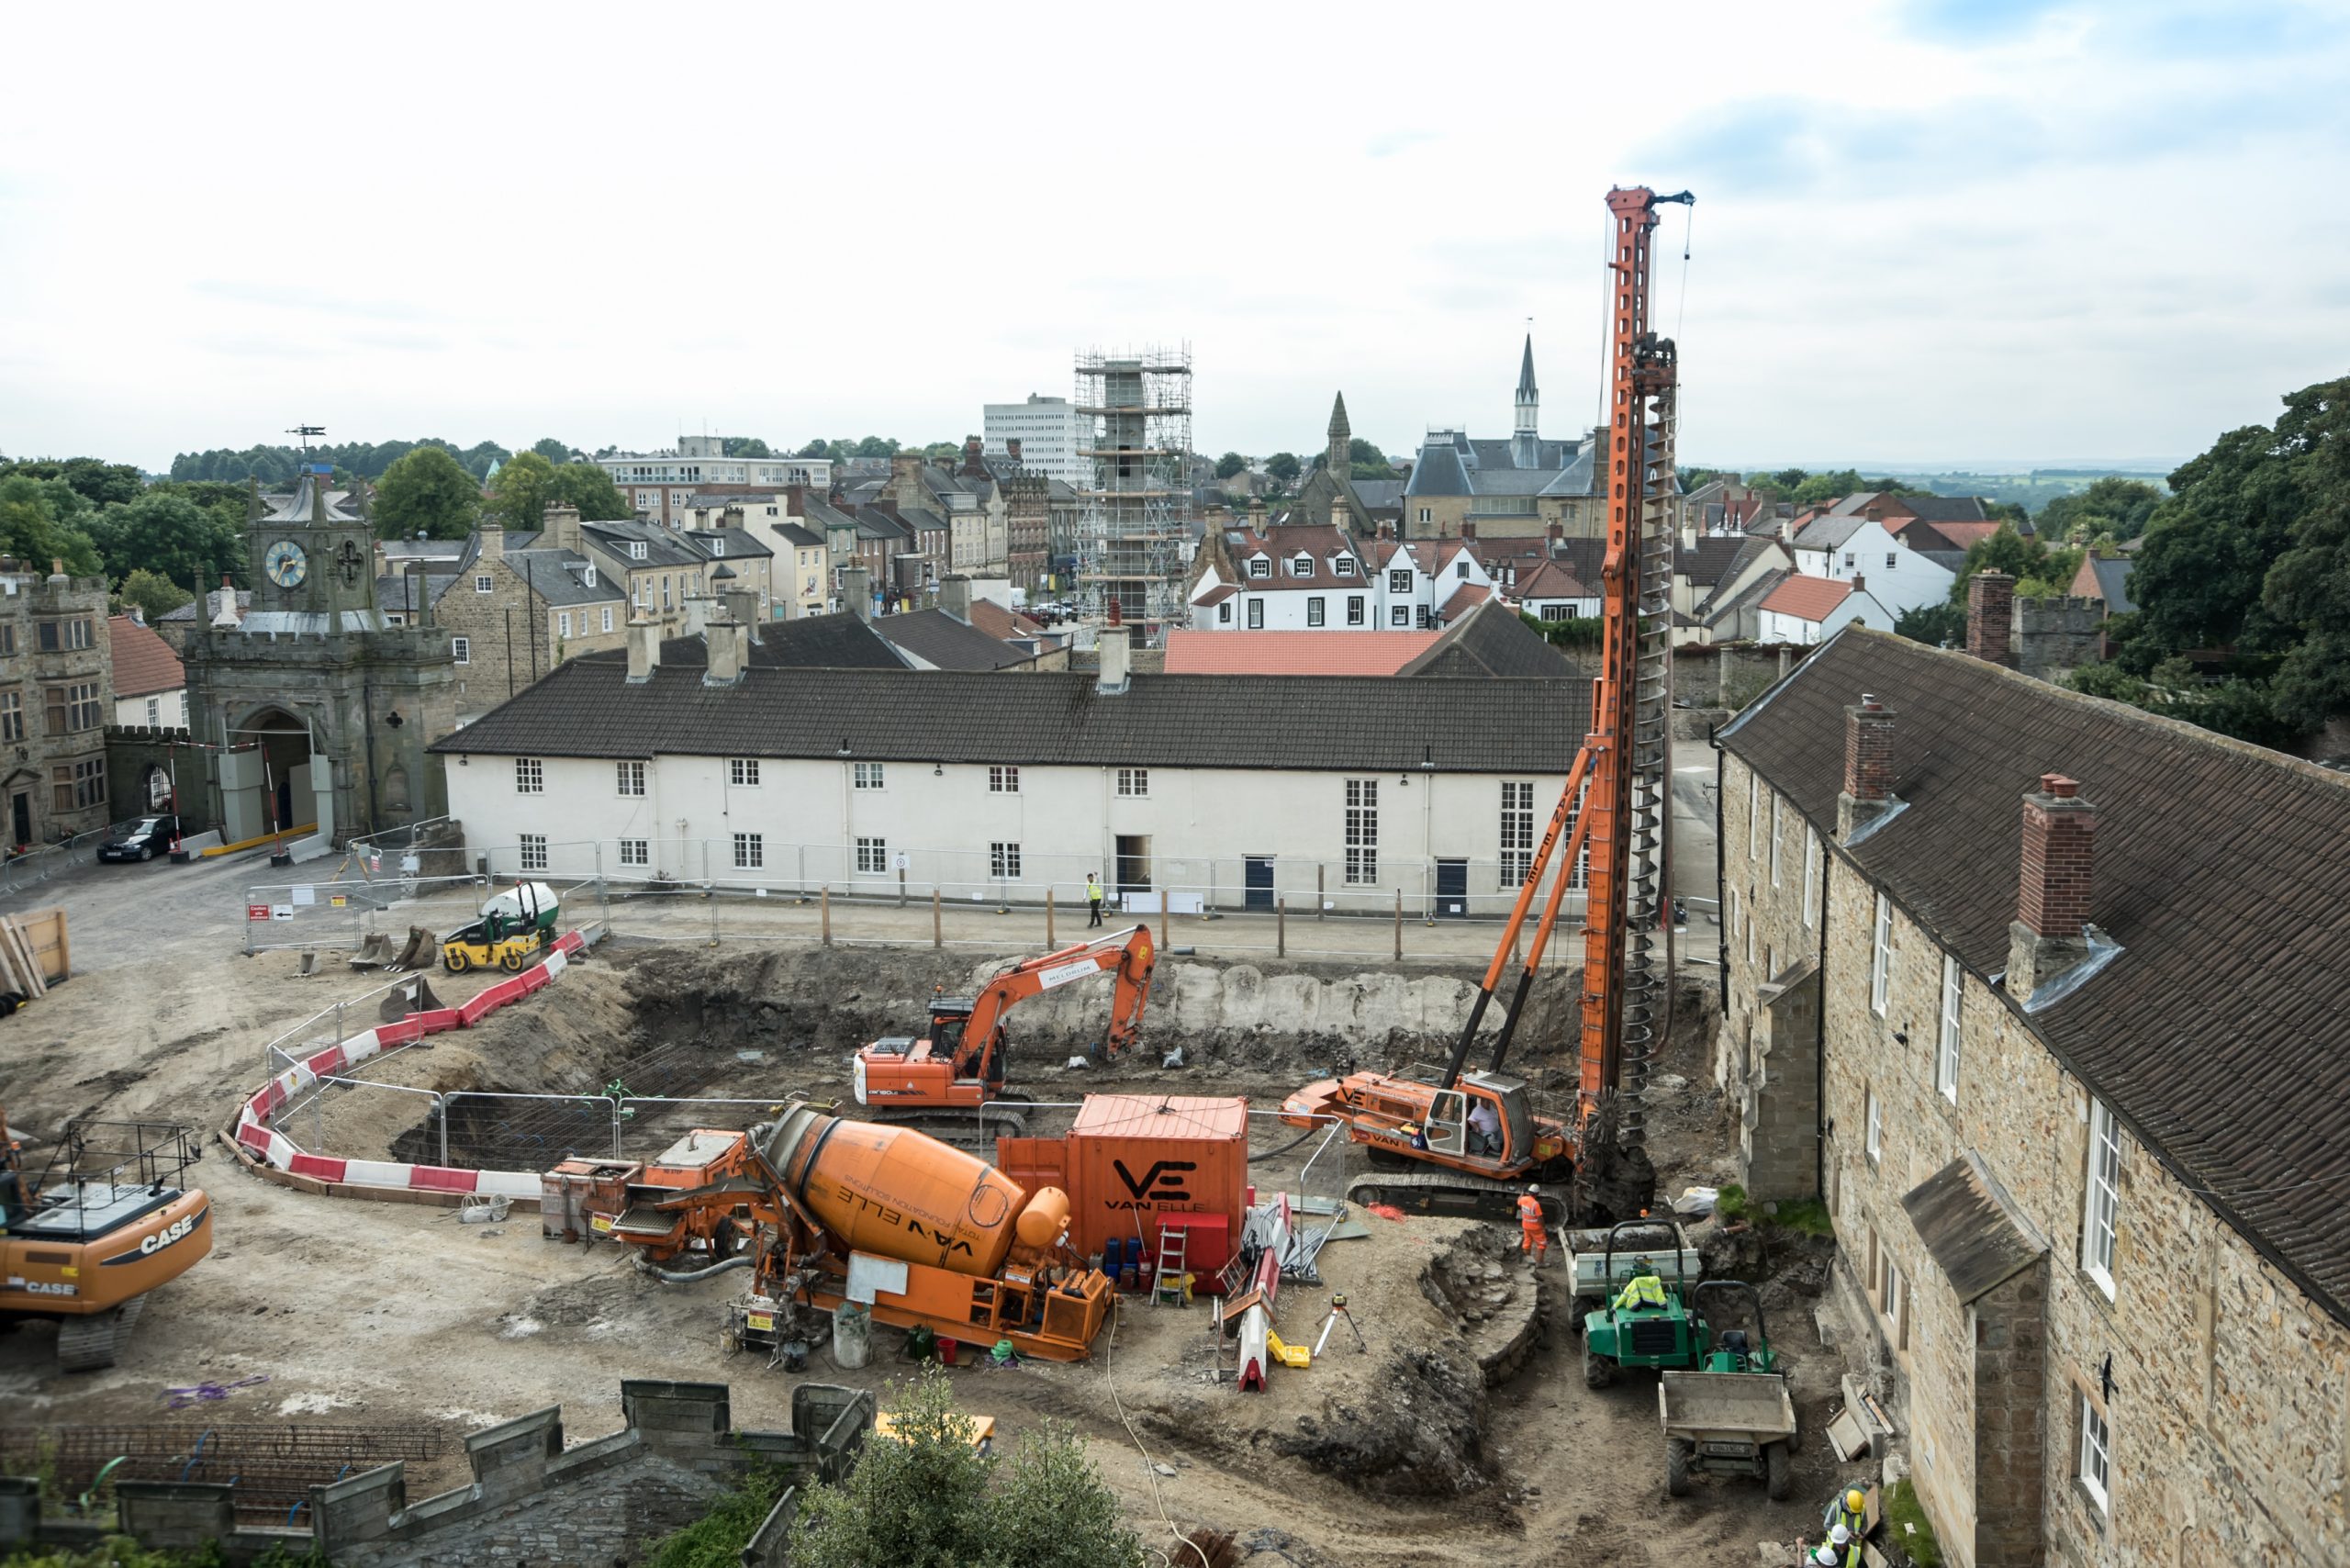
1616,804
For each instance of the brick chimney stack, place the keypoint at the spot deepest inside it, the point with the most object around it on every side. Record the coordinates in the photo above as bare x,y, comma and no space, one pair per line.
1868,767
1990,610
2053,894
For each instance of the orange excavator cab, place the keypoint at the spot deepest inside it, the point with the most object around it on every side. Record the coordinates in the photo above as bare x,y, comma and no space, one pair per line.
959,1064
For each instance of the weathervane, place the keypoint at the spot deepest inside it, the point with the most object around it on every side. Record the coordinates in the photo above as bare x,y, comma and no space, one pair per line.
305,433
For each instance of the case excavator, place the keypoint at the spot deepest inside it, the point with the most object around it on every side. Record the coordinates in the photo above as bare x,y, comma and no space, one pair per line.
1474,1141
942,1080
105,1222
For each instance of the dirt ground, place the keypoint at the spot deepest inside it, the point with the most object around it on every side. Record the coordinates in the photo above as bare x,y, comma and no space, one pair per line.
392,1314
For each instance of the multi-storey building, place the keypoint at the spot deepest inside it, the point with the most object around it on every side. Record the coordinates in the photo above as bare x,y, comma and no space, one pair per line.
56,696
1047,433
2042,996
660,485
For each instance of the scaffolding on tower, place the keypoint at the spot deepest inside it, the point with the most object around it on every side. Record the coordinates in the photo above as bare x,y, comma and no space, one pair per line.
1135,529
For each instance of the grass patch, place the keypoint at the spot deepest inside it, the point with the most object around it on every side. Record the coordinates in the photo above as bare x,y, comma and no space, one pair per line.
1809,1217
1907,1527
1730,1204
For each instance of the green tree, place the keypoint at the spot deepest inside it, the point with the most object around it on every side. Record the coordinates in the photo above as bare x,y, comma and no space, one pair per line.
31,530
1365,461
1231,463
2307,587
477,458
2040,572
154,594
166,532
927,1499
590,488
2112,508
875,446
520,493
817,448
746,446
1284,467
1937,625
554,451
1791,478
427,493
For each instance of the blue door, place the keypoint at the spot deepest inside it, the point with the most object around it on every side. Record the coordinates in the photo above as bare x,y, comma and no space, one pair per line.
1452,889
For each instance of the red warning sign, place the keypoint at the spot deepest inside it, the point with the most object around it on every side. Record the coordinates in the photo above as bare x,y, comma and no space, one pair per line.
256,912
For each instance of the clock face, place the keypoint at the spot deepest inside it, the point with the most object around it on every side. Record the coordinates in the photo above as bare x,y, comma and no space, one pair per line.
286,564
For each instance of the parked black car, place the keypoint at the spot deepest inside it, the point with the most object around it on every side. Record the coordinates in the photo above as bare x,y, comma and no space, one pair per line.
148,837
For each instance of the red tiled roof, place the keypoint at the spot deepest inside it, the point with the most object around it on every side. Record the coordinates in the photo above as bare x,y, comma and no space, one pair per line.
143,663
1806,598
1468,594
1963,535
1549,580
1217,594
1320,543
997,621
1293,653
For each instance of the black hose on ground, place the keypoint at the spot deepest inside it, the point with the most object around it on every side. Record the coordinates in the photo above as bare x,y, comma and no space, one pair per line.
688,1276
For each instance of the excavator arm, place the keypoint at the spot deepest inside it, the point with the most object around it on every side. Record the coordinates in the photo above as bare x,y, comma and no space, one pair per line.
1129,954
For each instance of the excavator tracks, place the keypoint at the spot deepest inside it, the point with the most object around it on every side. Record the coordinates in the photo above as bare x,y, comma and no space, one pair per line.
1453,1192
969,1130
93,1340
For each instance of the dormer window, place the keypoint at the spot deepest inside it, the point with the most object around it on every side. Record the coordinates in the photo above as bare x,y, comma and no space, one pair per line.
1302,567
1259,567
636,549
588,575
717,549
1345,565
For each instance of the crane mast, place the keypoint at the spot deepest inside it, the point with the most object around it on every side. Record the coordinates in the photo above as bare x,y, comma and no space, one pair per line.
1628,958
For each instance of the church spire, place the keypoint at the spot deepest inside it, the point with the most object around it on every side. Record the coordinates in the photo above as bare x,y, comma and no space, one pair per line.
1342,439
1528,399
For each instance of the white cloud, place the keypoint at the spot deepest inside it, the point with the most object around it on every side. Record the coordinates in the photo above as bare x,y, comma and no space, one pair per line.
1924,232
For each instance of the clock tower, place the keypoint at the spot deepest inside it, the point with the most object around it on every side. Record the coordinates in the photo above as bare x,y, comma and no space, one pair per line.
308,554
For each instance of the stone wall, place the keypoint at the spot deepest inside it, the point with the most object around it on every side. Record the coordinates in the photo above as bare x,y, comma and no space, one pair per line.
2225,1390
75,612
531,1501
2052,637
1730,675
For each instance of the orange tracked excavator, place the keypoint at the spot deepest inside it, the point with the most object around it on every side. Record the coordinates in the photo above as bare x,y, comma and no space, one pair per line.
104,1223
959,1065
1473,1141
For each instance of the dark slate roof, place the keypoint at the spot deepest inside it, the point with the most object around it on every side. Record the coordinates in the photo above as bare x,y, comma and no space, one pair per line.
791,533
392,592
1946,508
1490,641
940,641
872,523
2218,1033
558,576
2113,584
1376,723
737,541
824,515
1974,1230
813,642
1526,369
663,547
1380,495
1708,562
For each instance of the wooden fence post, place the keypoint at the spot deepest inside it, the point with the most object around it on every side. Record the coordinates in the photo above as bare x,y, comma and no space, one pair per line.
1280,927
1399,925
1321,901
1049,942
938,926
824,910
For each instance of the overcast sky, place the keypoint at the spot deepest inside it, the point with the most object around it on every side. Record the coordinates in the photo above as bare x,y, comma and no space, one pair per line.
1939,232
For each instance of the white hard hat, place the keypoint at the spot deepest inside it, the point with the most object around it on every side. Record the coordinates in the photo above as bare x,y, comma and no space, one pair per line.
1537,1191
1840,1536
1825,1555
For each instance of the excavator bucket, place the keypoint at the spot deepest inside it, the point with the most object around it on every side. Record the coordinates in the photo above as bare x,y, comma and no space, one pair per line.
423,951
413,996
374,951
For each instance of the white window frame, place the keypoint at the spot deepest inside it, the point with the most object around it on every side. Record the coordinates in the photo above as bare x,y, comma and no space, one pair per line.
1003,860
2095,1471
1354,609
1399,579
1516,836
1256,615
608,617
484,583
1361,832
628,779
636,852
1399,615
1301,566
1811,859
867,775
1004,780
750,852
1775,838
2101,1200
563,623
1344,565
461,649
872,857
1753,814
1946,1039
1872,1128
1314,610
1134,783
1261,566
529,776
530,851
1881,956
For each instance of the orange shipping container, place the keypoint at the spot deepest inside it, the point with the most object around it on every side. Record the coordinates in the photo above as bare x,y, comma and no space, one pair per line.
1130,1159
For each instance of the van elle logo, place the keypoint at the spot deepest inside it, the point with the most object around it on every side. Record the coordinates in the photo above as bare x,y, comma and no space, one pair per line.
1162,1183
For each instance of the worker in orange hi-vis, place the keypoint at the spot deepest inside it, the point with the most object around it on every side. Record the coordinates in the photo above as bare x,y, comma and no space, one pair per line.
1532,1238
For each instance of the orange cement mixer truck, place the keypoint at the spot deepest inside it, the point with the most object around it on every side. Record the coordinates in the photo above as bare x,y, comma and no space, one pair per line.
827,1210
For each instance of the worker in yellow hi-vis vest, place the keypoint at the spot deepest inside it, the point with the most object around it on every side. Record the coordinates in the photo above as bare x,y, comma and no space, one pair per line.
1642,1289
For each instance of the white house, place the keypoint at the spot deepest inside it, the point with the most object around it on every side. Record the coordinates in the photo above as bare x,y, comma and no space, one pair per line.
1803,609
1296,577
1901,579
149,687
1351,791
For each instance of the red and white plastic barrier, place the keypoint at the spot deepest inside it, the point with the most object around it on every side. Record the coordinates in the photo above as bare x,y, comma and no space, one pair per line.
258,1135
